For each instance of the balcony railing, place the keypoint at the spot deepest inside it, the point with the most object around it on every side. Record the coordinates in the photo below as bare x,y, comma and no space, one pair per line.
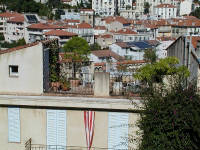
58,147
78,83
120,84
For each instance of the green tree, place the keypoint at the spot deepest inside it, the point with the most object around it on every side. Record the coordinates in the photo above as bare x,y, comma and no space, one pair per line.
146,7
171,116
150,56
196,13
155,72
77,49
95,46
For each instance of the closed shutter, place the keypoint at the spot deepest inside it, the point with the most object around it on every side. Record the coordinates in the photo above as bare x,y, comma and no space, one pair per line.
61,129
13,125
51,128
117,130
56,129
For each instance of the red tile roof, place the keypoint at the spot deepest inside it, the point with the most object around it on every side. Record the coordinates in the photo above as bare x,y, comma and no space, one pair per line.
195,40
105,36
165,6
9,14
72,21
107,53
125,31
84,26
17,19
120,19
100,28
60,33
43,26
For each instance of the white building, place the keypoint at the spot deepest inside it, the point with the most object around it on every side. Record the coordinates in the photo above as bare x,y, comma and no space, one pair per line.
19,69
104,7
83,30
185,7
35,32
3,20
61,35
15,29
165,11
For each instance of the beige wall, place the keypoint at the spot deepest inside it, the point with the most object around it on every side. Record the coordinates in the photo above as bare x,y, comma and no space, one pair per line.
30,79
33,125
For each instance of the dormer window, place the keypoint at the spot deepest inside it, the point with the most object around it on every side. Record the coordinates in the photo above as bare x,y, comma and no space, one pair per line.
13,71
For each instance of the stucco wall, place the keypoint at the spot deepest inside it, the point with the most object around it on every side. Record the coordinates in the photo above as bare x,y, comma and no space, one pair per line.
30,68
33,125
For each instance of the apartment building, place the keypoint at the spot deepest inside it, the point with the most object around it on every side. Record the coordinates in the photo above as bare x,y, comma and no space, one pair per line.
32,119
15,29
84,30
165,11
3,20
104,7
87,16
61,35
36,31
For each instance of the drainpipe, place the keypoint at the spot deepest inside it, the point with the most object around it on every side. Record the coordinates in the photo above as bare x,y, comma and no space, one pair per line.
189,52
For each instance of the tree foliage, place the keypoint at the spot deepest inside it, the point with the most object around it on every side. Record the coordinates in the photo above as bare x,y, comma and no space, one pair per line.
77,50
196,13
20,42
155,72
95,46
150,56
146,7
171,116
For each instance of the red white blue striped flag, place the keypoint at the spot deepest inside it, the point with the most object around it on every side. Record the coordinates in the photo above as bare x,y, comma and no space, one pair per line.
89,117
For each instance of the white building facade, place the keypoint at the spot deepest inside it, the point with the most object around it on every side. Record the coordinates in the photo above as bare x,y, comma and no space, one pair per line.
165,11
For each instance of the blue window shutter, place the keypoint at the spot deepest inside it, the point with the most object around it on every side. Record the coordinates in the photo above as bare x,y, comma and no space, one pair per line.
51,127
61,127
13,124
117,130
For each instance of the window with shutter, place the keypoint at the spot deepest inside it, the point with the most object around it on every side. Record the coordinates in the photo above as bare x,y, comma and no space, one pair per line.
117,130
56,129
13,124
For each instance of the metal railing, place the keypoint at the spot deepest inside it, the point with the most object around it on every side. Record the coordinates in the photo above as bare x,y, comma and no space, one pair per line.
79,83
59,147
123,84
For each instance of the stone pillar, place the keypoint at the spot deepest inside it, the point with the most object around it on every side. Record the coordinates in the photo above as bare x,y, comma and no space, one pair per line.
102,82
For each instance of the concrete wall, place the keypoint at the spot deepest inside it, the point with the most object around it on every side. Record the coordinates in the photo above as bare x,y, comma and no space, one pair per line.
102,82
33,125
30,68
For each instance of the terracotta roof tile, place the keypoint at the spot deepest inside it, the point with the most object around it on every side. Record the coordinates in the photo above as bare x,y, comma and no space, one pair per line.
107,53
165,6
60,33
126,31
17,19
105,36
100,28
9,14
43,26
84,26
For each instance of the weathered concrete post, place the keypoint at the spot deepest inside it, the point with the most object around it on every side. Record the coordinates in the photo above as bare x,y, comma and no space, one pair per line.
102,82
